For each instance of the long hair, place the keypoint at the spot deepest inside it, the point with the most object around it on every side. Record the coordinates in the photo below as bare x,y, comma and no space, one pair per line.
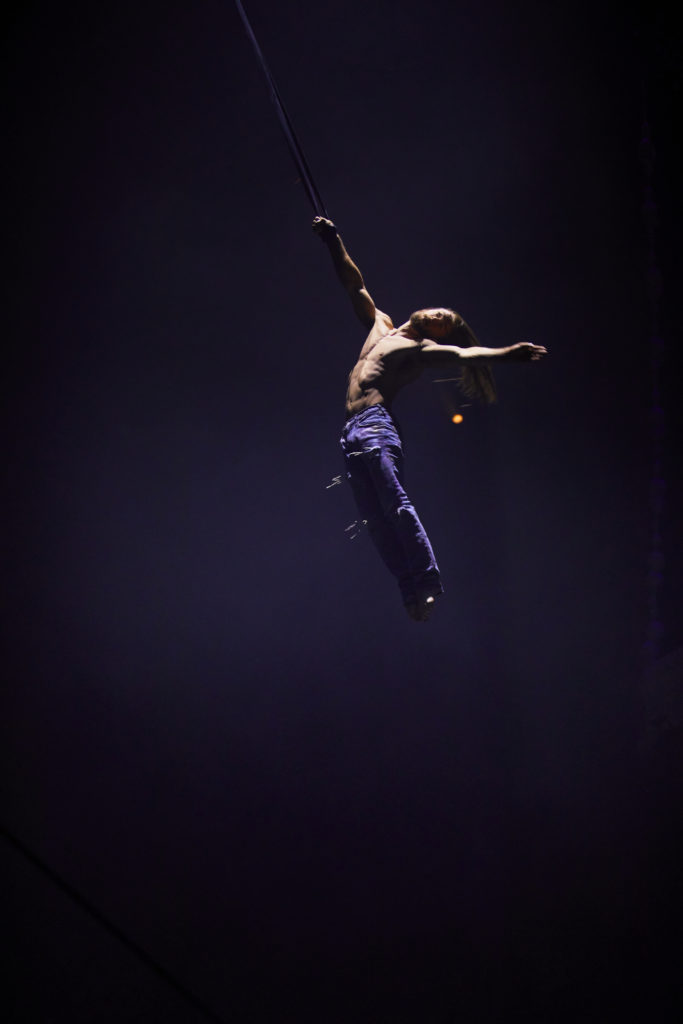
476,380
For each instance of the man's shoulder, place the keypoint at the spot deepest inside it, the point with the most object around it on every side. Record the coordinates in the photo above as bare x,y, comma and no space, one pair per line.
382,326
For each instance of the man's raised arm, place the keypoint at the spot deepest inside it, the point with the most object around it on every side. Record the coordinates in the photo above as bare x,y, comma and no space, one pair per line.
347,271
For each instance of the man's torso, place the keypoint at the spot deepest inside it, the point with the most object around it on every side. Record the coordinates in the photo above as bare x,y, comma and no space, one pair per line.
387,362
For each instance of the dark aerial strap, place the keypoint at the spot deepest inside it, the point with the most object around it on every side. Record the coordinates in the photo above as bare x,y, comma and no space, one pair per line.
286,125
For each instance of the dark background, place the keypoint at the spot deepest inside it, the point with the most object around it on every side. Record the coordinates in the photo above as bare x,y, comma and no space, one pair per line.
219,725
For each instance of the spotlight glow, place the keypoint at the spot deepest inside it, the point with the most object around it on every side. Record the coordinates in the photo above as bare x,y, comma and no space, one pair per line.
457,418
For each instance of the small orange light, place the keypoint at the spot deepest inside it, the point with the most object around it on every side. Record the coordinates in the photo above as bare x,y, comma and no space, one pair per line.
457,418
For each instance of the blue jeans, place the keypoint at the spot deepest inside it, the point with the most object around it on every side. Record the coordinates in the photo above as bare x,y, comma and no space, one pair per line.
374,467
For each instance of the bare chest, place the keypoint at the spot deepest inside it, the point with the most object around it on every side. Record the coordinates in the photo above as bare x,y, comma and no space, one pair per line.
389,358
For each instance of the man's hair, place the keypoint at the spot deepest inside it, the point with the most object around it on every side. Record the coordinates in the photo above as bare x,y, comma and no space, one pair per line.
476,381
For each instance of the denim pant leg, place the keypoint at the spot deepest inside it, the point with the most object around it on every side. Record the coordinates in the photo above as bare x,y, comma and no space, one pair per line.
374,460
370,510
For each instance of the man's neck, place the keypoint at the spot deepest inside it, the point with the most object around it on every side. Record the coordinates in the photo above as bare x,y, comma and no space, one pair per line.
406,331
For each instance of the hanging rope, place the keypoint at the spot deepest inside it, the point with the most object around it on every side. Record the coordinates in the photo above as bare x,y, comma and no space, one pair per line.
285,123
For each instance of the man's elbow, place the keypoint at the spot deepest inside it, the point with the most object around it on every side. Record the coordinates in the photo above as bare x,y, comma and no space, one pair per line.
365,318
364,306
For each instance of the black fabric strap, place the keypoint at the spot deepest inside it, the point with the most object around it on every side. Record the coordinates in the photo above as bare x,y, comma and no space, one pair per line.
286,125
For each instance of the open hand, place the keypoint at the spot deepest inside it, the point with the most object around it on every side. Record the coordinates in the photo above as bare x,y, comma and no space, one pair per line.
525,352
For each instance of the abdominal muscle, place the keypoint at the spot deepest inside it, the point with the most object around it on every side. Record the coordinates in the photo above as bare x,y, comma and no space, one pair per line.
372,382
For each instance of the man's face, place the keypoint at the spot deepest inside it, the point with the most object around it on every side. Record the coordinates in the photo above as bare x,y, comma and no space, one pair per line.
434,323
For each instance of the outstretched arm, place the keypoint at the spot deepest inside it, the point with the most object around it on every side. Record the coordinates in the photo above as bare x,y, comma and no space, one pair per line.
347,271
435,355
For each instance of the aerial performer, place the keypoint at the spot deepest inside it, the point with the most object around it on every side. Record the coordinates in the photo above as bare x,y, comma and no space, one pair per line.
432,339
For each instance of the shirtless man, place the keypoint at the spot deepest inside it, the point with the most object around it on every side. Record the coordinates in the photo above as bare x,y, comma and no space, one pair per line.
391,358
